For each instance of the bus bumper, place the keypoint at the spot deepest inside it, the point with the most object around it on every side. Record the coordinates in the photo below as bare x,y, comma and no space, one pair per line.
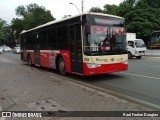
104,69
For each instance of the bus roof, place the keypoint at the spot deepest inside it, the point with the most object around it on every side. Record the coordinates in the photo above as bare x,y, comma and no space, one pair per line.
63,19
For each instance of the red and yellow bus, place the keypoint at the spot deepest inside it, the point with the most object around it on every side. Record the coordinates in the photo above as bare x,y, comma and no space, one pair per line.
154,42
85,44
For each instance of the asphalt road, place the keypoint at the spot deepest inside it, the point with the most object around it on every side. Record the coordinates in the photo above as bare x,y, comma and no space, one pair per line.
141,81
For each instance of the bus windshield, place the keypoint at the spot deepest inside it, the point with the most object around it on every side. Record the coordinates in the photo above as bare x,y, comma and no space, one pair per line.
105,40
155,40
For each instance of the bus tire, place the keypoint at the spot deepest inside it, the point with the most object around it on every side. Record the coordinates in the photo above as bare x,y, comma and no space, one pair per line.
62,66
129,55
139,57
29,60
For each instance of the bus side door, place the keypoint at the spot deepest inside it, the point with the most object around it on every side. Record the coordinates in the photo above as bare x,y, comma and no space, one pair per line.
37,49
76,48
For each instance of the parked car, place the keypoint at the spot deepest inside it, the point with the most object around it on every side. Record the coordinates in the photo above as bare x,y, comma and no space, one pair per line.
16,50
6,48
1,50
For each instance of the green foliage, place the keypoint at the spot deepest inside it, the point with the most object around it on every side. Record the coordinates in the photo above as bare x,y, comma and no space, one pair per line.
2,30
25,10
141,4
96,10
125,7
32,16
5,33
153,3
21,11
110,9
17,26
143,20
2,25
37,17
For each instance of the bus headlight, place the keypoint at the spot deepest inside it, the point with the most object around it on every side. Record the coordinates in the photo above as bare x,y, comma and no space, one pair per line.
93,65
125,62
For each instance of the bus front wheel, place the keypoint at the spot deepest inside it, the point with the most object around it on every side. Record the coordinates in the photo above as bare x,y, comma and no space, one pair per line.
29,60
62,66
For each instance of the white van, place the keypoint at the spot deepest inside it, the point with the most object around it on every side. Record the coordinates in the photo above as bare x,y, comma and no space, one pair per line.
136,48
1,50
6,48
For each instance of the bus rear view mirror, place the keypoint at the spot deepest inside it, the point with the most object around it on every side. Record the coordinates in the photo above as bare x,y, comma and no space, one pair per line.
88,29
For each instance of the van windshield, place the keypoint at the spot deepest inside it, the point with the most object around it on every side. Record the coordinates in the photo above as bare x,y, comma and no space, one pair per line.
140,43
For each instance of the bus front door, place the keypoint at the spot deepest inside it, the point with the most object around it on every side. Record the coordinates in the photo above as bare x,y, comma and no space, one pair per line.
37,50
76,49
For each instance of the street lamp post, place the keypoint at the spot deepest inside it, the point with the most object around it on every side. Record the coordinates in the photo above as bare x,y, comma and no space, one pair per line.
82,5
75,5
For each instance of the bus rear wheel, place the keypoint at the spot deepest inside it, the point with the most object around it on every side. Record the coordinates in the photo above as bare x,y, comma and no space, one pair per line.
62,66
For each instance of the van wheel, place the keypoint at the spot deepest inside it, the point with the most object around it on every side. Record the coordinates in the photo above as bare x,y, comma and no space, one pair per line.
129,55
139,57
62,66
29,60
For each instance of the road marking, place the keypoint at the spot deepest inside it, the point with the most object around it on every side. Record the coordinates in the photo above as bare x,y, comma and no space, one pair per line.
141,75
150,60
155,66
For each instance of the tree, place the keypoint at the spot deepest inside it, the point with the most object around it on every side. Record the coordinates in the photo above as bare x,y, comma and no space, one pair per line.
32,15
21,11
139,22
2,30
25,10
17,26
141,4
110,9
143,19
37,17
8,37
153,3
2,25
96,10
125,7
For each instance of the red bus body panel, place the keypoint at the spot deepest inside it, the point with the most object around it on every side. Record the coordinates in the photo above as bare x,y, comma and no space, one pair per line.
48,59
104,69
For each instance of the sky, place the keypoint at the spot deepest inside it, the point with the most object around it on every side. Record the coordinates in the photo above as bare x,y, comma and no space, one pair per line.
58,8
